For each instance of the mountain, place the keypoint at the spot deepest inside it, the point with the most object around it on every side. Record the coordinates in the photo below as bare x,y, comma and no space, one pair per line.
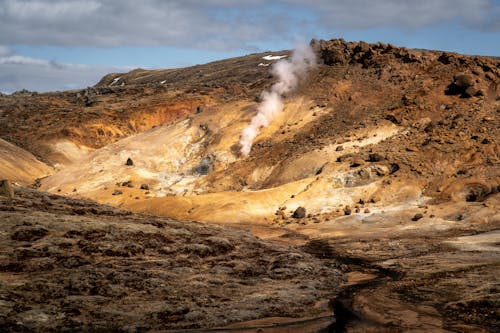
384,162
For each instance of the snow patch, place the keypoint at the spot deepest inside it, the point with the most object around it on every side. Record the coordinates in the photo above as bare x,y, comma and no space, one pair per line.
273,57
115,80
162,82
263,64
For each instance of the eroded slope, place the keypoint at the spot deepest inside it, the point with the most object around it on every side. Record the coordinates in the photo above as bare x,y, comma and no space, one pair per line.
20,166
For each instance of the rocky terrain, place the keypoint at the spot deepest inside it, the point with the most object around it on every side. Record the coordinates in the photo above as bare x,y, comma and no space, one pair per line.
72,265
370,204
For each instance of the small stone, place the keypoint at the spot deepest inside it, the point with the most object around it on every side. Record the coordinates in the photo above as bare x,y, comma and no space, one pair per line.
117,192
128,184
367,211
129,162
144,187
375,157
486,141
417,217
347,210
299,213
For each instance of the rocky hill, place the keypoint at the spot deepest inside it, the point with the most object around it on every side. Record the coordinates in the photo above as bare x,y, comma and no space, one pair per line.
383,164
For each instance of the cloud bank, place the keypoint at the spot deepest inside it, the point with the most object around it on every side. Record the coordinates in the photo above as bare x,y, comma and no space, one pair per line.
219,24
19,72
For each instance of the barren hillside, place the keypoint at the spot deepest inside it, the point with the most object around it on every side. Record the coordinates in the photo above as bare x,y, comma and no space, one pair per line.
384,167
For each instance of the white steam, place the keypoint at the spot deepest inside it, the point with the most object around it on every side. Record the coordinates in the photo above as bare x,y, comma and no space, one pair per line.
288,72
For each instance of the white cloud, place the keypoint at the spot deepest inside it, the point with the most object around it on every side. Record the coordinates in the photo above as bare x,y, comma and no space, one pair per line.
5,51
19,72
22,60
218,24
44,10
361,14
127,22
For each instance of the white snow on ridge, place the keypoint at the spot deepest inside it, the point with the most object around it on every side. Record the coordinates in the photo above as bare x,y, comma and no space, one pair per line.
263,64
162,82
115,80
271,57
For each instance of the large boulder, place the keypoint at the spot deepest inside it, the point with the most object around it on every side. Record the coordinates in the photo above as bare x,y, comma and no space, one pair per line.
463,85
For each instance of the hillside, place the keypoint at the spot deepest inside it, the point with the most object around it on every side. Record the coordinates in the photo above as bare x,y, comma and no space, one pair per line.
383,165
20,166
370,123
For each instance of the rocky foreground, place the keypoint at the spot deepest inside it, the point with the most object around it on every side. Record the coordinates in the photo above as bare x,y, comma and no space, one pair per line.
72,265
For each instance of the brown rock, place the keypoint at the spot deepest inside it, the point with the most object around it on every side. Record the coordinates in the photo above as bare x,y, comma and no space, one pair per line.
356,163
375,157
299,213
471,91
6,189
128,184
417,217
463,80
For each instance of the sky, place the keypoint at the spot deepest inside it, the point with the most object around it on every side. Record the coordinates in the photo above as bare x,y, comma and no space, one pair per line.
48,45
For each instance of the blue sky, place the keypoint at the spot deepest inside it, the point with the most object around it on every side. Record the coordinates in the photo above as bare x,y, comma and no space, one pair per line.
50,45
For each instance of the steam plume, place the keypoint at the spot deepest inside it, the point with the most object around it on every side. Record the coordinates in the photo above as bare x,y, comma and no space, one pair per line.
288,72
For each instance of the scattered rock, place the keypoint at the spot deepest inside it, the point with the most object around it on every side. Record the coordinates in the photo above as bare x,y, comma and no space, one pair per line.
29,234
477,192
393,168
417,217
144,187
6,189
463,80
117,192
128,184
219,245
356,163
299,213
129,162
347,210
464,85
375,157
486,141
